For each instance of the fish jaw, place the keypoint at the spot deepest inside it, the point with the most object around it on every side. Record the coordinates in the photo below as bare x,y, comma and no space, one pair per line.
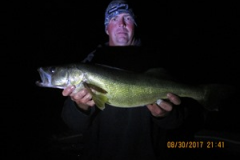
46,80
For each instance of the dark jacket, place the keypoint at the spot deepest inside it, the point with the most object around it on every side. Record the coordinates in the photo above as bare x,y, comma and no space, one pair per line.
119,133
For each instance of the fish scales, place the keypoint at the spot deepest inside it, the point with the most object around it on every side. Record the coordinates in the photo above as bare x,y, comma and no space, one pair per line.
121,88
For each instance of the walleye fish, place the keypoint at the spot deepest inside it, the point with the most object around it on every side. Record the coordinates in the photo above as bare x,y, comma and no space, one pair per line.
121,88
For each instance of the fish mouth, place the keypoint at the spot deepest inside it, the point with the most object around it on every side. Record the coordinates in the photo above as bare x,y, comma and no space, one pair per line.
45,79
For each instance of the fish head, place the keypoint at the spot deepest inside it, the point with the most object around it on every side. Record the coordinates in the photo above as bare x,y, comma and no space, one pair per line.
59,76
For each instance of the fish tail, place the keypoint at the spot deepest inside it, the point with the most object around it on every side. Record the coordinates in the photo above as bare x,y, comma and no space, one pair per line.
217,96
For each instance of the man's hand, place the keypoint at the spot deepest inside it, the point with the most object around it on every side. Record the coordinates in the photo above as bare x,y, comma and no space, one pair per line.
82,98
164,107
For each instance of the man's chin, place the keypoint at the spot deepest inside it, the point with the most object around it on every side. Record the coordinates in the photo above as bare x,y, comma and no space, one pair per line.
122,40
122,43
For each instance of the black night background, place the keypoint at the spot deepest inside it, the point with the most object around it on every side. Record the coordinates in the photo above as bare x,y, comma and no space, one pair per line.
198,40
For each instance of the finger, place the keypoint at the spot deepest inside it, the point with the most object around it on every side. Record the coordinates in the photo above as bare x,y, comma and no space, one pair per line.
79,94
82,97
174,98
90,103
156,110
165,106
87,98
159,101
68,90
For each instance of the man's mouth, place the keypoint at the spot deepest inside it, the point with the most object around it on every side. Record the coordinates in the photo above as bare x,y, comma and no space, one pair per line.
122,33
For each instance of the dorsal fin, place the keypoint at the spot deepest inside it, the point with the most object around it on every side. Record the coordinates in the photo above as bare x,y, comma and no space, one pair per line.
159,73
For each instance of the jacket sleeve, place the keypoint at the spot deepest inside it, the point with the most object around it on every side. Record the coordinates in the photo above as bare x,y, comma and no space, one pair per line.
75,119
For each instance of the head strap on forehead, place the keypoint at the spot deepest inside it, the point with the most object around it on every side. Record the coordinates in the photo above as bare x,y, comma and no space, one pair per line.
118,7
115,8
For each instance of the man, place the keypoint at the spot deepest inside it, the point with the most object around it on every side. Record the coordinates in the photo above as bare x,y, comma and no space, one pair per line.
117,133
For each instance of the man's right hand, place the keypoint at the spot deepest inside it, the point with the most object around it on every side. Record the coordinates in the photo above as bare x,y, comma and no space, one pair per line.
82,98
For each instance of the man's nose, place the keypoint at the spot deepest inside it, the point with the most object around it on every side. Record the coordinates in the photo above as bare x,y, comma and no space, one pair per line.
122,22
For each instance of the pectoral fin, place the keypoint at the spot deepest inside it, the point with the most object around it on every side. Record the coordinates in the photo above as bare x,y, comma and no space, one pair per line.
96,88
99,99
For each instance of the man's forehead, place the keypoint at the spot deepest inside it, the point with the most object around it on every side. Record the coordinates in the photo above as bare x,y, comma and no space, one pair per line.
123,15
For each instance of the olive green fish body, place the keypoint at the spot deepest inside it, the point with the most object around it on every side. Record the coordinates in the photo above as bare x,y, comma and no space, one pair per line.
125,89
117,87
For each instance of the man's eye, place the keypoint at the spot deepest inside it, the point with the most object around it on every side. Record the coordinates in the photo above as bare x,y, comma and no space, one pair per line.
114,19
128,18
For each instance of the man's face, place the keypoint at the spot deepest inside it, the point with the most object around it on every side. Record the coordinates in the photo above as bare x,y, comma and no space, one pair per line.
121,30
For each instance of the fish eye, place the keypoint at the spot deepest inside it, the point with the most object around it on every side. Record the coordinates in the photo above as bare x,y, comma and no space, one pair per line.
52,69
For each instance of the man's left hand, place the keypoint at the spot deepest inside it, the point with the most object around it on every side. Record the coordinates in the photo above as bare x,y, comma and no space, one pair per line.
164,107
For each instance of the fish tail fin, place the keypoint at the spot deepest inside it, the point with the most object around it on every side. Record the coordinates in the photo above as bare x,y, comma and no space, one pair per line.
217,96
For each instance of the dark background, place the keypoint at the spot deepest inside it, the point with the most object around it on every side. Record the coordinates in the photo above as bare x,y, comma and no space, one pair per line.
198,40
